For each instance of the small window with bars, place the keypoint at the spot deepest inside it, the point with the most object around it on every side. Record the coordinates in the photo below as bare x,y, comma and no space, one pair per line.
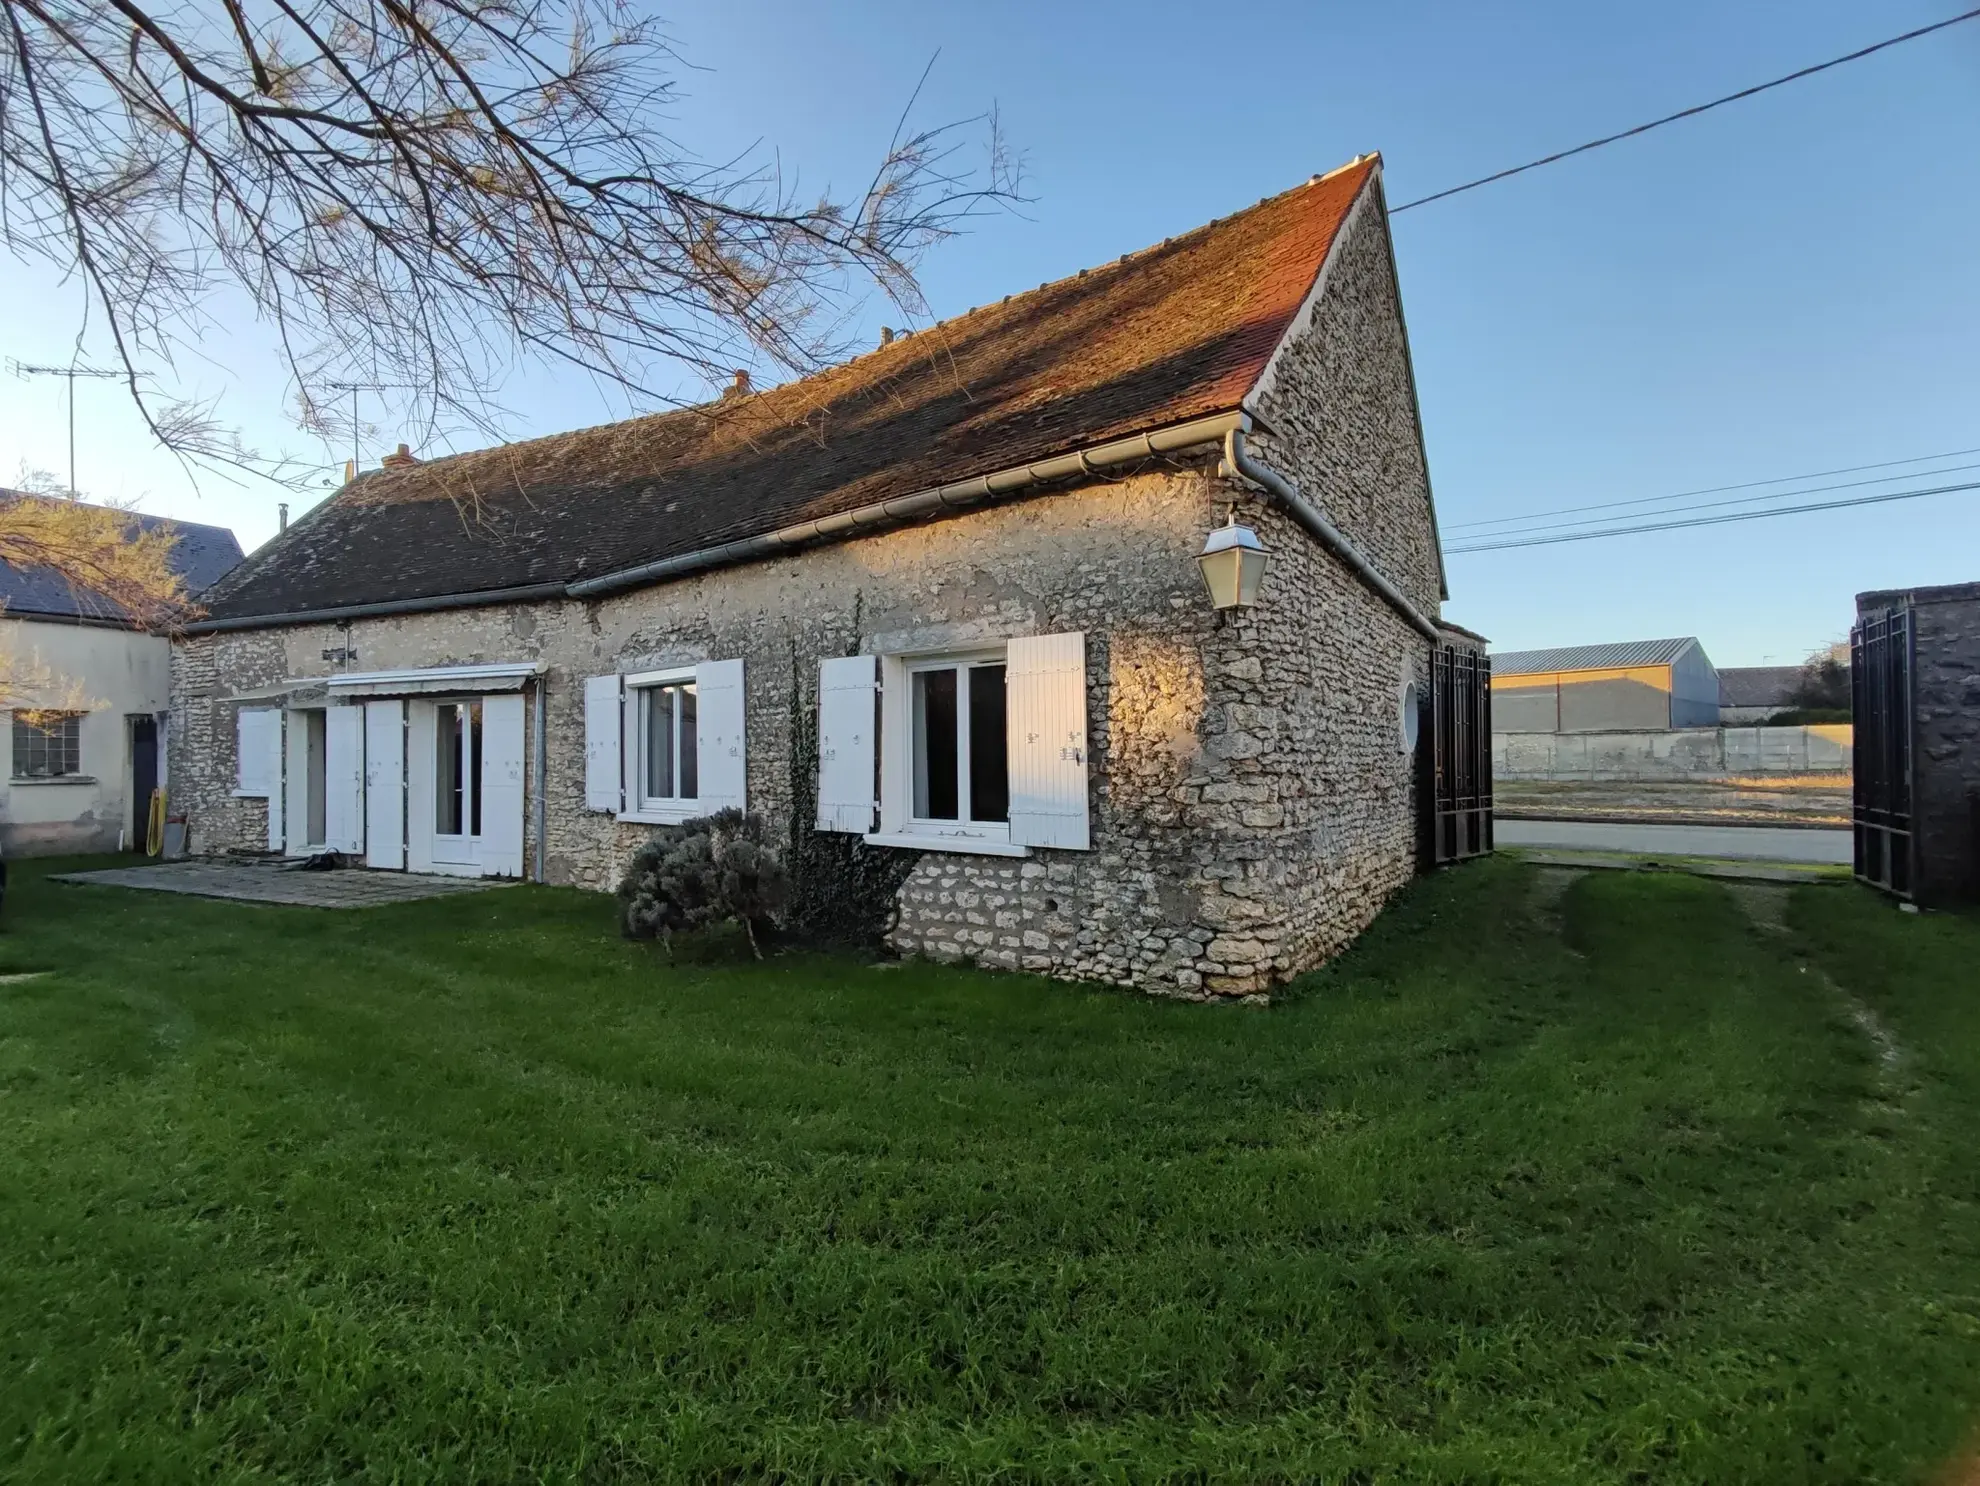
47,745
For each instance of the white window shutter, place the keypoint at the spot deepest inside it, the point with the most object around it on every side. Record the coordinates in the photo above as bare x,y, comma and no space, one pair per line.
1045,722
258,763
721,758
258,754
846,725
502,786
601,743
385,785
295,784
343,778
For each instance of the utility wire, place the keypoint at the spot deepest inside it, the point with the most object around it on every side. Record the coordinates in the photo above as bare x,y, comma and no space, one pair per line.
1686,113
1624,531
1593,523
1651,500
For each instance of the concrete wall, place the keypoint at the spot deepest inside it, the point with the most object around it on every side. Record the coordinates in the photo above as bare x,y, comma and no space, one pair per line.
109,674
1692,753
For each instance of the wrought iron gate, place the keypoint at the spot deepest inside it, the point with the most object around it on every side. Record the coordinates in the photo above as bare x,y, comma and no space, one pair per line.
1880,648
1456,758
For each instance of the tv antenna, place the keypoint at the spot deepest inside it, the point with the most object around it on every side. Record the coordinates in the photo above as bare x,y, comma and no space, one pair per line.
354,388
25,369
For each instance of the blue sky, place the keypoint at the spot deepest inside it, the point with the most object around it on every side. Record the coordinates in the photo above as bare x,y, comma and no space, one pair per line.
1789,284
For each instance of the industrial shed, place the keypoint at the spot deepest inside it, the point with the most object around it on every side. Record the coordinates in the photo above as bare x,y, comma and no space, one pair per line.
1632,686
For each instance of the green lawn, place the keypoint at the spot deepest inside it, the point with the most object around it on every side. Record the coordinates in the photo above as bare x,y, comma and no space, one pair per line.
1611,1186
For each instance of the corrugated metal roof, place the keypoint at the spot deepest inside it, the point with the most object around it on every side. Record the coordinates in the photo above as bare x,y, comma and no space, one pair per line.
1591,657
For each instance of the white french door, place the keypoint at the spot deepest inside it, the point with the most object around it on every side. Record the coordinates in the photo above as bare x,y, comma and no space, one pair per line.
457,744
464,791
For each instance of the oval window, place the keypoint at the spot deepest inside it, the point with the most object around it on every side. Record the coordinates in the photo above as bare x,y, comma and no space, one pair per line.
1409,717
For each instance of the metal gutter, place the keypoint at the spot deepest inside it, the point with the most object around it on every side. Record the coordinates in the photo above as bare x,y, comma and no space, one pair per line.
526,593
905,508
1323,531
881,515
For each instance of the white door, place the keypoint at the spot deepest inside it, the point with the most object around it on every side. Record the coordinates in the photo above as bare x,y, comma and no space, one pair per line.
501,786
385,785
343,778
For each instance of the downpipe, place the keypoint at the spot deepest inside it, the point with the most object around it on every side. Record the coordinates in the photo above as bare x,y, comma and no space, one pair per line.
1238,462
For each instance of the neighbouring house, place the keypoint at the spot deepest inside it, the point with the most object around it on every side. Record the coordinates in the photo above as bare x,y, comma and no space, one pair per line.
1631,686
1915,682
936,612
84,759
1752,694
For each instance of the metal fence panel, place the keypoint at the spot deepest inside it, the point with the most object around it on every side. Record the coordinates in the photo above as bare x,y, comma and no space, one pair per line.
1455,768
1881,655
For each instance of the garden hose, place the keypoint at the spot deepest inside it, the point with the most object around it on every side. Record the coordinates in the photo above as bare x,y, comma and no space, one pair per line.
154,825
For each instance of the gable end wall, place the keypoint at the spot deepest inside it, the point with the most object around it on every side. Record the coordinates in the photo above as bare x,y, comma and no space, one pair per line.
1338,417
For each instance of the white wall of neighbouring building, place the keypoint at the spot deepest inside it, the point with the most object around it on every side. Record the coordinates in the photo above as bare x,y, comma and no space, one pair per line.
111,675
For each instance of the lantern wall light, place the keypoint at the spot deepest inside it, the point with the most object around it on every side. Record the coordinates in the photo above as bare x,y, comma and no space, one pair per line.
1233,564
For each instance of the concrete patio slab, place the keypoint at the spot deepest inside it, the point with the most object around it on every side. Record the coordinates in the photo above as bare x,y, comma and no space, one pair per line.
271,882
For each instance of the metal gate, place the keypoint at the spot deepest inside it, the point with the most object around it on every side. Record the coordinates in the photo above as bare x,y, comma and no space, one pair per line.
1456,763
1880,649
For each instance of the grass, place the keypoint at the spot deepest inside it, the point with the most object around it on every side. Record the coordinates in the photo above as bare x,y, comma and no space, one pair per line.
1609,1186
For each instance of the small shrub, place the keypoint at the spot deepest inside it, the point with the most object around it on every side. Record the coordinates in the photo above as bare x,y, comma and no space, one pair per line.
703,872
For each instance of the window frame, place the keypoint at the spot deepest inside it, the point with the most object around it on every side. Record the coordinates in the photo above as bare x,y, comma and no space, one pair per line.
899,826
640,807
58,740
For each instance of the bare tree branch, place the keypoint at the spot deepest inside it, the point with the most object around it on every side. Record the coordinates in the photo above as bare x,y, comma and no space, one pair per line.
422,192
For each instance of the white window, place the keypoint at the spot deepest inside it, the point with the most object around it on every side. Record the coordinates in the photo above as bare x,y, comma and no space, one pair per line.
666,724
980,751
666,746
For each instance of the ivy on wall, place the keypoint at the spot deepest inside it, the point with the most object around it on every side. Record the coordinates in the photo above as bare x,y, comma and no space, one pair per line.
842,891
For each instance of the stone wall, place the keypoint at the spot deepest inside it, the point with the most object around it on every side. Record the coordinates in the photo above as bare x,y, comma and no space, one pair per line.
1945,738
1339,417
1252,805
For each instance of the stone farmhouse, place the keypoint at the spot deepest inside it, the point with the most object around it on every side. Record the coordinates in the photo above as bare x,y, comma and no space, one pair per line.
937,613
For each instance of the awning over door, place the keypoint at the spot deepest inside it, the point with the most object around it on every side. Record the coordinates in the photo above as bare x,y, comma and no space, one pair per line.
483,680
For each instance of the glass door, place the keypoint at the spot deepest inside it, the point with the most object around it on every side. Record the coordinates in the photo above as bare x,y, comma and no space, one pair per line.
457,783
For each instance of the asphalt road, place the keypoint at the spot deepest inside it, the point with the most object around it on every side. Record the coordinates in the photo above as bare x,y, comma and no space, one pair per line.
1759,843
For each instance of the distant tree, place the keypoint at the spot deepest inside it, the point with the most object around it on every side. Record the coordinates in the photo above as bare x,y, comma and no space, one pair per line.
98,550
415,193
1823,685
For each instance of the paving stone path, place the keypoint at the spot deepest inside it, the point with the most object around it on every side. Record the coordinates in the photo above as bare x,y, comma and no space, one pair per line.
271,882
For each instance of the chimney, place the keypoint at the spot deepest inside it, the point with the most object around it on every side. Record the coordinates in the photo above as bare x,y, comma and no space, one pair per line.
886,335
737,388
282,517
398,459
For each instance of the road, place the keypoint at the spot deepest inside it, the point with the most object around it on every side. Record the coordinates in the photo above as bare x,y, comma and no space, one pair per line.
1761,843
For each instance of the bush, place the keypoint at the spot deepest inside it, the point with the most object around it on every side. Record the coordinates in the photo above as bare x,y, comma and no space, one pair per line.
704,872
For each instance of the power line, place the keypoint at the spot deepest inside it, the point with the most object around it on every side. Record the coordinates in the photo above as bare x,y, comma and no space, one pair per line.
1592,522
1685,113
1624,531
1651,500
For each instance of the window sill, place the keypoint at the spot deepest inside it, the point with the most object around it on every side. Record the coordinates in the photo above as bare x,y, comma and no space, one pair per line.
962,845
249,794
57,779
661,817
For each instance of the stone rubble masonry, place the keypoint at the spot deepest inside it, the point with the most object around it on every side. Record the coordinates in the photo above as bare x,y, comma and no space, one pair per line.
1945,691
1252,804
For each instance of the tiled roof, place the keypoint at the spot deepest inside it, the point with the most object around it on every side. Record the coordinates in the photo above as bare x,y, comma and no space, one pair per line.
201,556
1590,657
1159,337
1757,686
